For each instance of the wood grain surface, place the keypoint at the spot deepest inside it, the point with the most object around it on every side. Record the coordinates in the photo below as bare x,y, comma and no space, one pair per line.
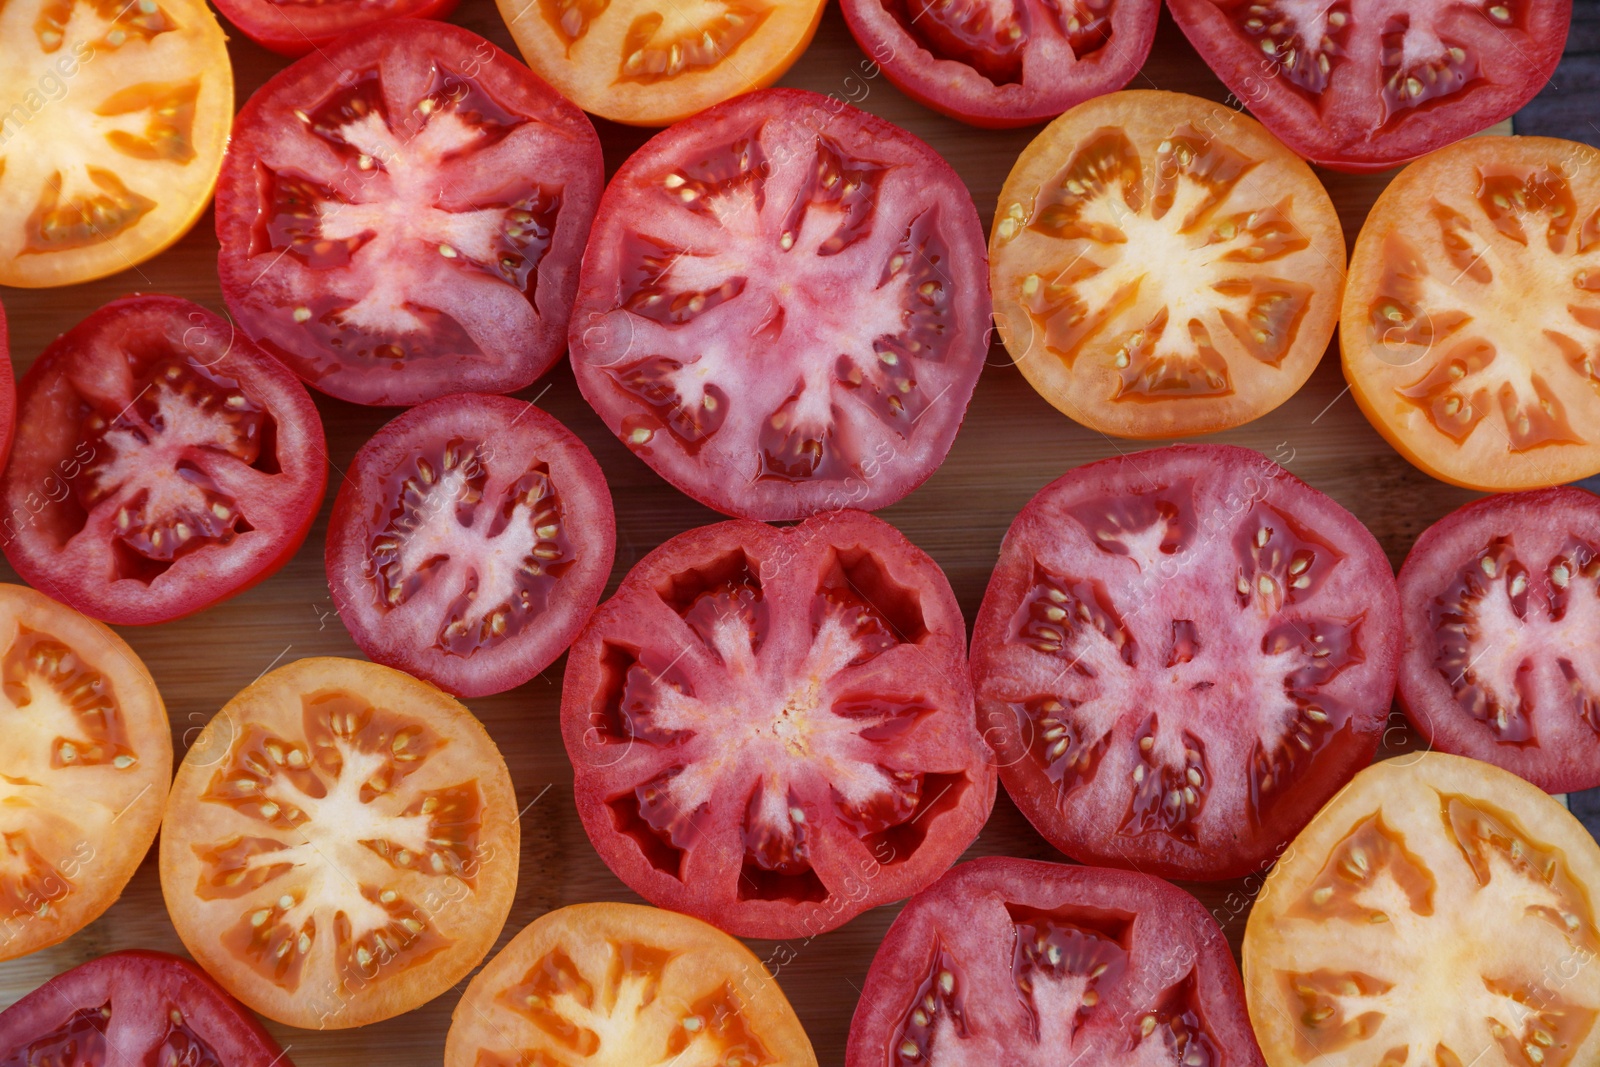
1011,444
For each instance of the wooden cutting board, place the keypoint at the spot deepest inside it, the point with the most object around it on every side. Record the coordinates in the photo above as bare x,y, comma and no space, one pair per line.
1011,444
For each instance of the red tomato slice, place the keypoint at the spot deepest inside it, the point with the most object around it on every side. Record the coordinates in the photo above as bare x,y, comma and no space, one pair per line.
1028,964
771,728
1363,85
1181,655
134,1008
8,392
401,216
1001,63
471,538
1501,606
163,463
296,27
784,307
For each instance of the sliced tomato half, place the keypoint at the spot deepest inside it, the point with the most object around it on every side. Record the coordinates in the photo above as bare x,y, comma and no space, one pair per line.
163,463
626,985
1162,266
771,729
84,767
1501,601
783,307
116,117
471,538
1182,654
296,27
1438,911
134,1008
8,392
1364,85
340,845
1028,964
1472,315
401,216
1001,63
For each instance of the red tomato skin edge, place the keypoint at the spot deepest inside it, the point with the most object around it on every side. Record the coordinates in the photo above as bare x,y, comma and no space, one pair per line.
1506,756
345,522
294,44
244,1030
8,393
894,969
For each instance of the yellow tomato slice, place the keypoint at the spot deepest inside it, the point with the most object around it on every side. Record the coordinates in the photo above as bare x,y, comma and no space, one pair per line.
1163,266
1440,912
341,844
620,985
85,757
118,114
1471,323
651,64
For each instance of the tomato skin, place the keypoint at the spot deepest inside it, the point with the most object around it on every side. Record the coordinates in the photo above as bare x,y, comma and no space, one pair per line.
269,24
1346,133
8,393
207,1012
92,365
954,87
1561,753
958,921
504,426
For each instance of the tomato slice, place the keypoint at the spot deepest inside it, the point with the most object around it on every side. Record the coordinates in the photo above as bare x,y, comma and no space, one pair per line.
650,64
1439,911
783,307
163,463
1017,962
1363,85
471,538
83,769
131,1008
1181,655
1162,266
118,116
296,27
1501,603
340,845
1473,310
8,393
401,216
772,729
1002,63
620,985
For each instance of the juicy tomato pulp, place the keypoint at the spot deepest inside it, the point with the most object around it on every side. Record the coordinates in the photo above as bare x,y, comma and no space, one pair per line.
619,985
1501,605
163,463
1000,63
783,308
401,216
1472,314
651,64
134,1009
1181,655
340,845
471,538
83,770
118,113
1439,911
1031,964
772,728
1364,85
1162,266
296,27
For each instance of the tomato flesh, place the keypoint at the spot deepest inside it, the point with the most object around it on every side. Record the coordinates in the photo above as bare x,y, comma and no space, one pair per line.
1019,962
771,729
1181,654
1433,911
341,844
296,27
777,339
1364,85
401,216
619,985
471,538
